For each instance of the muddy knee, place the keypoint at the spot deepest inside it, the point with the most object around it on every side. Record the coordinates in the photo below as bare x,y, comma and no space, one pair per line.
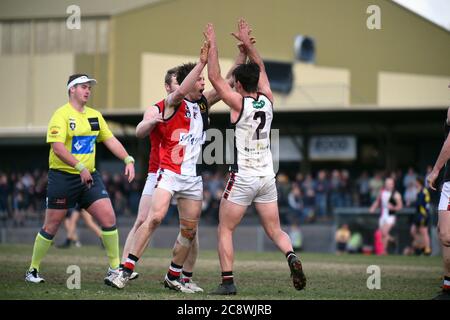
188,231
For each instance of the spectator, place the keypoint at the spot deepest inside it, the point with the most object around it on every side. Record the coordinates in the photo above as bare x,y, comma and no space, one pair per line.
342,237
375,185
321,190
410,178
355,243
295,200
410,195
364,189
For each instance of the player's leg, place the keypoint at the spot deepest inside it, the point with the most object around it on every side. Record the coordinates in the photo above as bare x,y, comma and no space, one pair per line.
423,230
444,237
73,222
186,244
91,224
43,241
270,220
188,268
143,210
230,215
103,212
160,204
61,194
385,237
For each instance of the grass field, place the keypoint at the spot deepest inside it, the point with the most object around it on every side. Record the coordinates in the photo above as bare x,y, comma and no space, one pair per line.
258,276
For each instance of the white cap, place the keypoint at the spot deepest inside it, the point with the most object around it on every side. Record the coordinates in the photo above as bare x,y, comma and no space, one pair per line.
82,79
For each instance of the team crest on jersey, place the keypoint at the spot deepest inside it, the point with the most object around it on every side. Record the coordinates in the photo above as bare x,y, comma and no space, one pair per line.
187,112
258,104
202,106
72,124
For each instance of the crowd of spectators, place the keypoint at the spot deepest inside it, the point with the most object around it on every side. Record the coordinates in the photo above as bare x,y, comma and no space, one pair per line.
303,198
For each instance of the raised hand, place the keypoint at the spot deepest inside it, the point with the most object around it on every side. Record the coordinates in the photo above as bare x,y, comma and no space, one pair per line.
204,52
243,33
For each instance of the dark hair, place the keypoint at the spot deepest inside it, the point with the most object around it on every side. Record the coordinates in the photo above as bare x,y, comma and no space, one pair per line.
169,74
74,76
248,75
183,71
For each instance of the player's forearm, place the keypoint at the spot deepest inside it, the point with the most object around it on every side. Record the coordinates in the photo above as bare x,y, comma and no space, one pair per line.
116,148
62,153
213,64
186,86
253,54
144,128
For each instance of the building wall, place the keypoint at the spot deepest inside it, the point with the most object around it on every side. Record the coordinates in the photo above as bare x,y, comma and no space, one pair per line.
405,44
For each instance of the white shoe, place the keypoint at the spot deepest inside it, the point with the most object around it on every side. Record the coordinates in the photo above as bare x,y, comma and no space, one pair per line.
120,280
33,276
191,285
110,276
176,285
134,275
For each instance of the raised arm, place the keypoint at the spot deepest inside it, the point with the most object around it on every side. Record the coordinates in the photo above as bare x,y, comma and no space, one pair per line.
212,96
188,83
149,121
226,93
243,34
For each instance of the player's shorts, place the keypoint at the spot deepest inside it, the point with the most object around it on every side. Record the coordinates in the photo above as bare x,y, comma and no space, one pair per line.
149,184
421,220
180,186
444,202
65,190
386,219
244,190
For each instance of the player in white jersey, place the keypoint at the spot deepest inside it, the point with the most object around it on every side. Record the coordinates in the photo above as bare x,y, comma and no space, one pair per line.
252,178
390,202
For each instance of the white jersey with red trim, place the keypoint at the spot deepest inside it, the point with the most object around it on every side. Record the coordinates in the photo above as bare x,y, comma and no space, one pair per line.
183,137
252,138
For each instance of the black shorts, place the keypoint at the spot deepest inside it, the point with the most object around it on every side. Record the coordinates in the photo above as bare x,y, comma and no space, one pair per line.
65,190
421,220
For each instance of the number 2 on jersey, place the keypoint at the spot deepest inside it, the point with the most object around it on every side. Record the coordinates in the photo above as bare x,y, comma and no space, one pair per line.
259,134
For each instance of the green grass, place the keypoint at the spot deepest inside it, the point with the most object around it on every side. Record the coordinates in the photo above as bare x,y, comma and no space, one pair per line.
258,276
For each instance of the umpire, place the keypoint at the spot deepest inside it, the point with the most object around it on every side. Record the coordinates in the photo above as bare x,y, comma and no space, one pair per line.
73,132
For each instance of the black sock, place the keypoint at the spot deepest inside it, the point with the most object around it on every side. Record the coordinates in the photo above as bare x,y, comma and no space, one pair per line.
129,265
290,255
227,277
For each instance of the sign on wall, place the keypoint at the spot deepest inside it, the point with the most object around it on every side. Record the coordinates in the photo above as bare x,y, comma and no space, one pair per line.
332,148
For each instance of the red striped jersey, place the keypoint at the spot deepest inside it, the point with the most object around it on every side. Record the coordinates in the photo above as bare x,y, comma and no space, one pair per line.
183,137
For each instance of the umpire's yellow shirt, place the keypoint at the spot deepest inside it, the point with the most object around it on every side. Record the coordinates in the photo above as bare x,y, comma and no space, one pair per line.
79,131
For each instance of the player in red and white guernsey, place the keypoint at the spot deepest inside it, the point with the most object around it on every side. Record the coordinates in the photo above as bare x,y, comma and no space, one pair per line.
252,178
185,121
151,127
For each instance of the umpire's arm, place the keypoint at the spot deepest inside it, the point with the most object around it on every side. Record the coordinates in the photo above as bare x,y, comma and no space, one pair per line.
119,151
